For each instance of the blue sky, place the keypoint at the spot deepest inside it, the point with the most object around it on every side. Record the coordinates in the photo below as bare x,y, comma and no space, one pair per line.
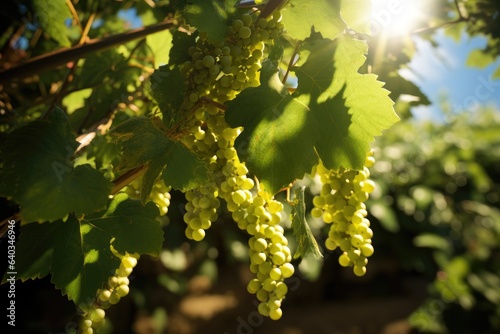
443,71
438,71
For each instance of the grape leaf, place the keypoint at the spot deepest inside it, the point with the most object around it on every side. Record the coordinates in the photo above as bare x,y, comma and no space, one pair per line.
155,167
38,174
273,143
98,65
82,260
356,14
144,142
480,58
210,17
496,73
181,42
132,225
398,86
168,89
77,253
306,243
52,16
160,44
301,16
185,170
34,250
351,108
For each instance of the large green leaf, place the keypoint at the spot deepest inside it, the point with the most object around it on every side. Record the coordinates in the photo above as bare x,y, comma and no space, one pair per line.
52,16
181,42
349,107
168,89
185,170
335,112
279,134
99,65
38,173
210,17
34,250
132,225
301,17
144,142
77,253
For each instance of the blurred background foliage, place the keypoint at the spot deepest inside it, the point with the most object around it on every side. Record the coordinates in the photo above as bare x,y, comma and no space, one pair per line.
435,213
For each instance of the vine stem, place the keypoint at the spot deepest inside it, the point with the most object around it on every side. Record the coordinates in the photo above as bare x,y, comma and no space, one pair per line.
127,177
439,26
63,56
462,18
292,61
71,73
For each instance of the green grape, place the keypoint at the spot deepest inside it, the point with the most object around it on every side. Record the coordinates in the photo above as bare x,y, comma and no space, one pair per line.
104,295
114,298
208,61
129,262
247,20
122,290
245,32
97,315
193,97
237,25
276,314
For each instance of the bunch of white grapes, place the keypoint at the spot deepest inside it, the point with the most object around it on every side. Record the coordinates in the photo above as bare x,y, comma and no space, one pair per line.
215,74
116,288
160,194
341,204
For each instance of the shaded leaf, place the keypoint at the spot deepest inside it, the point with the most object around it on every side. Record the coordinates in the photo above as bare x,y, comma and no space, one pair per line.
306,243
185,170
52,16
168,89
77,253
210,17
38,172
144,142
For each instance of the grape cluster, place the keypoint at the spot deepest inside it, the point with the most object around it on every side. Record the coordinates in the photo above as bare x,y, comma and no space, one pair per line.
160,194
269,253
201,211
218,73
341,203
116,288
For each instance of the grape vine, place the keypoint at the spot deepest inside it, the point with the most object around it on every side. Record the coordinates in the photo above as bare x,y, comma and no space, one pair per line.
248,103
